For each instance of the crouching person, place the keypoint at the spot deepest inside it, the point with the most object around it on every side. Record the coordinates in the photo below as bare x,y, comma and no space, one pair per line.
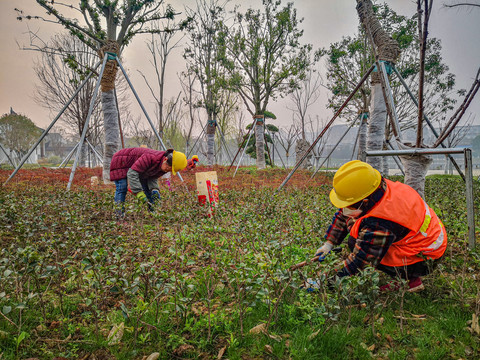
390,226
140,169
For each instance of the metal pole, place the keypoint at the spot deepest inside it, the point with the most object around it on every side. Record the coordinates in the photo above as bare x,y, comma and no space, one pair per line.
95,151
118,118
143,108
8,157
468,179
356,138
67,158
365,76
387,93
245,148
85,126
384,82
240,147
415,151
333,149
363,156
222,138
198,138
402,81
395,158
89,151
279,156
273,148
470,198
51,124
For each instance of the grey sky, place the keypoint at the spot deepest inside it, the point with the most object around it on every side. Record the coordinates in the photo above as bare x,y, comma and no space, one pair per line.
325,21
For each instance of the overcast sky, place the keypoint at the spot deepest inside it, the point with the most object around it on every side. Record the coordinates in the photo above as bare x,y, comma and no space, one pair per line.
325,21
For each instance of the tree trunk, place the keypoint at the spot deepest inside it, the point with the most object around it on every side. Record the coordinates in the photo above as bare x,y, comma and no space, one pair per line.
416,168
260,142
387,49
300,149
109,107
211,128
376,128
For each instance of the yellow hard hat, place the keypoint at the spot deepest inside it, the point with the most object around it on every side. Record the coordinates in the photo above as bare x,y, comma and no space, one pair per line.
353,182
179,161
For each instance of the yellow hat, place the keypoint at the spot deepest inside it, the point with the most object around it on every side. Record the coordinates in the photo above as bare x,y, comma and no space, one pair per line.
179,161
353,182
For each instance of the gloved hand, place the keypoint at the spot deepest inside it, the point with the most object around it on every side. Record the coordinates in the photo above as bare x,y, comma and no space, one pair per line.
141,196
192,163
323,251
155,195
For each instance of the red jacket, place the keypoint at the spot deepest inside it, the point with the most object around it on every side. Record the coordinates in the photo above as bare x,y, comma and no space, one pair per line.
147,162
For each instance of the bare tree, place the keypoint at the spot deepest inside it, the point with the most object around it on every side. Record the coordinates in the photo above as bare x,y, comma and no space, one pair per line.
240,129
160,46
462,108
315,126
302,98
59,80
305,96
174,114
139,133
286,139
455,137
191,101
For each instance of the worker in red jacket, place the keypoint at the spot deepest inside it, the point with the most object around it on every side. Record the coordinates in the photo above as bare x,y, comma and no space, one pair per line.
140,169
390,226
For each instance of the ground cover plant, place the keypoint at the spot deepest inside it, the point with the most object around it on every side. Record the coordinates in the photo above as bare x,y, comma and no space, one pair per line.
76,284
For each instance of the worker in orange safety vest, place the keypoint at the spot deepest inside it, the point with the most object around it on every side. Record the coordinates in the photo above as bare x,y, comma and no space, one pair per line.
389,225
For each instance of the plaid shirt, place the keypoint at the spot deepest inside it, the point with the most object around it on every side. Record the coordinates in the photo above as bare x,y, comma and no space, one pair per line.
374,237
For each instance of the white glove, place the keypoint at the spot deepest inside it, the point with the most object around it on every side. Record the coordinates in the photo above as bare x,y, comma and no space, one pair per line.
324,250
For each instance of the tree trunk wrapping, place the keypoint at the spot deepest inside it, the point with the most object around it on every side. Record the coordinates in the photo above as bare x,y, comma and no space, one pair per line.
211,128
387,48
415,168
260,144
300,149
109,107
112,134
376,128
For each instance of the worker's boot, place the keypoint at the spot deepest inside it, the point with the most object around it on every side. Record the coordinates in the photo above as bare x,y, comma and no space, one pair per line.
415,285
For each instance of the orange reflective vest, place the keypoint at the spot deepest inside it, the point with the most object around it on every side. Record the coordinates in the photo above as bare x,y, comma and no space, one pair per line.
403,205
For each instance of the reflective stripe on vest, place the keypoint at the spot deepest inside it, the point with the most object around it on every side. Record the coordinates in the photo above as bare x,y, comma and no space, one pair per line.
423,230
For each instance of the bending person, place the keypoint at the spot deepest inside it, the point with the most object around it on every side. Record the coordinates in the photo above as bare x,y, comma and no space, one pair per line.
140,169
390,226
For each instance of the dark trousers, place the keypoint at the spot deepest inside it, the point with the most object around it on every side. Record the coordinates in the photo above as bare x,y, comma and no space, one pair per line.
418,269
121,188
407,272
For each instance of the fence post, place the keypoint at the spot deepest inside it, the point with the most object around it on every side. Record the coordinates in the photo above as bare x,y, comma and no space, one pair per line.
469,193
